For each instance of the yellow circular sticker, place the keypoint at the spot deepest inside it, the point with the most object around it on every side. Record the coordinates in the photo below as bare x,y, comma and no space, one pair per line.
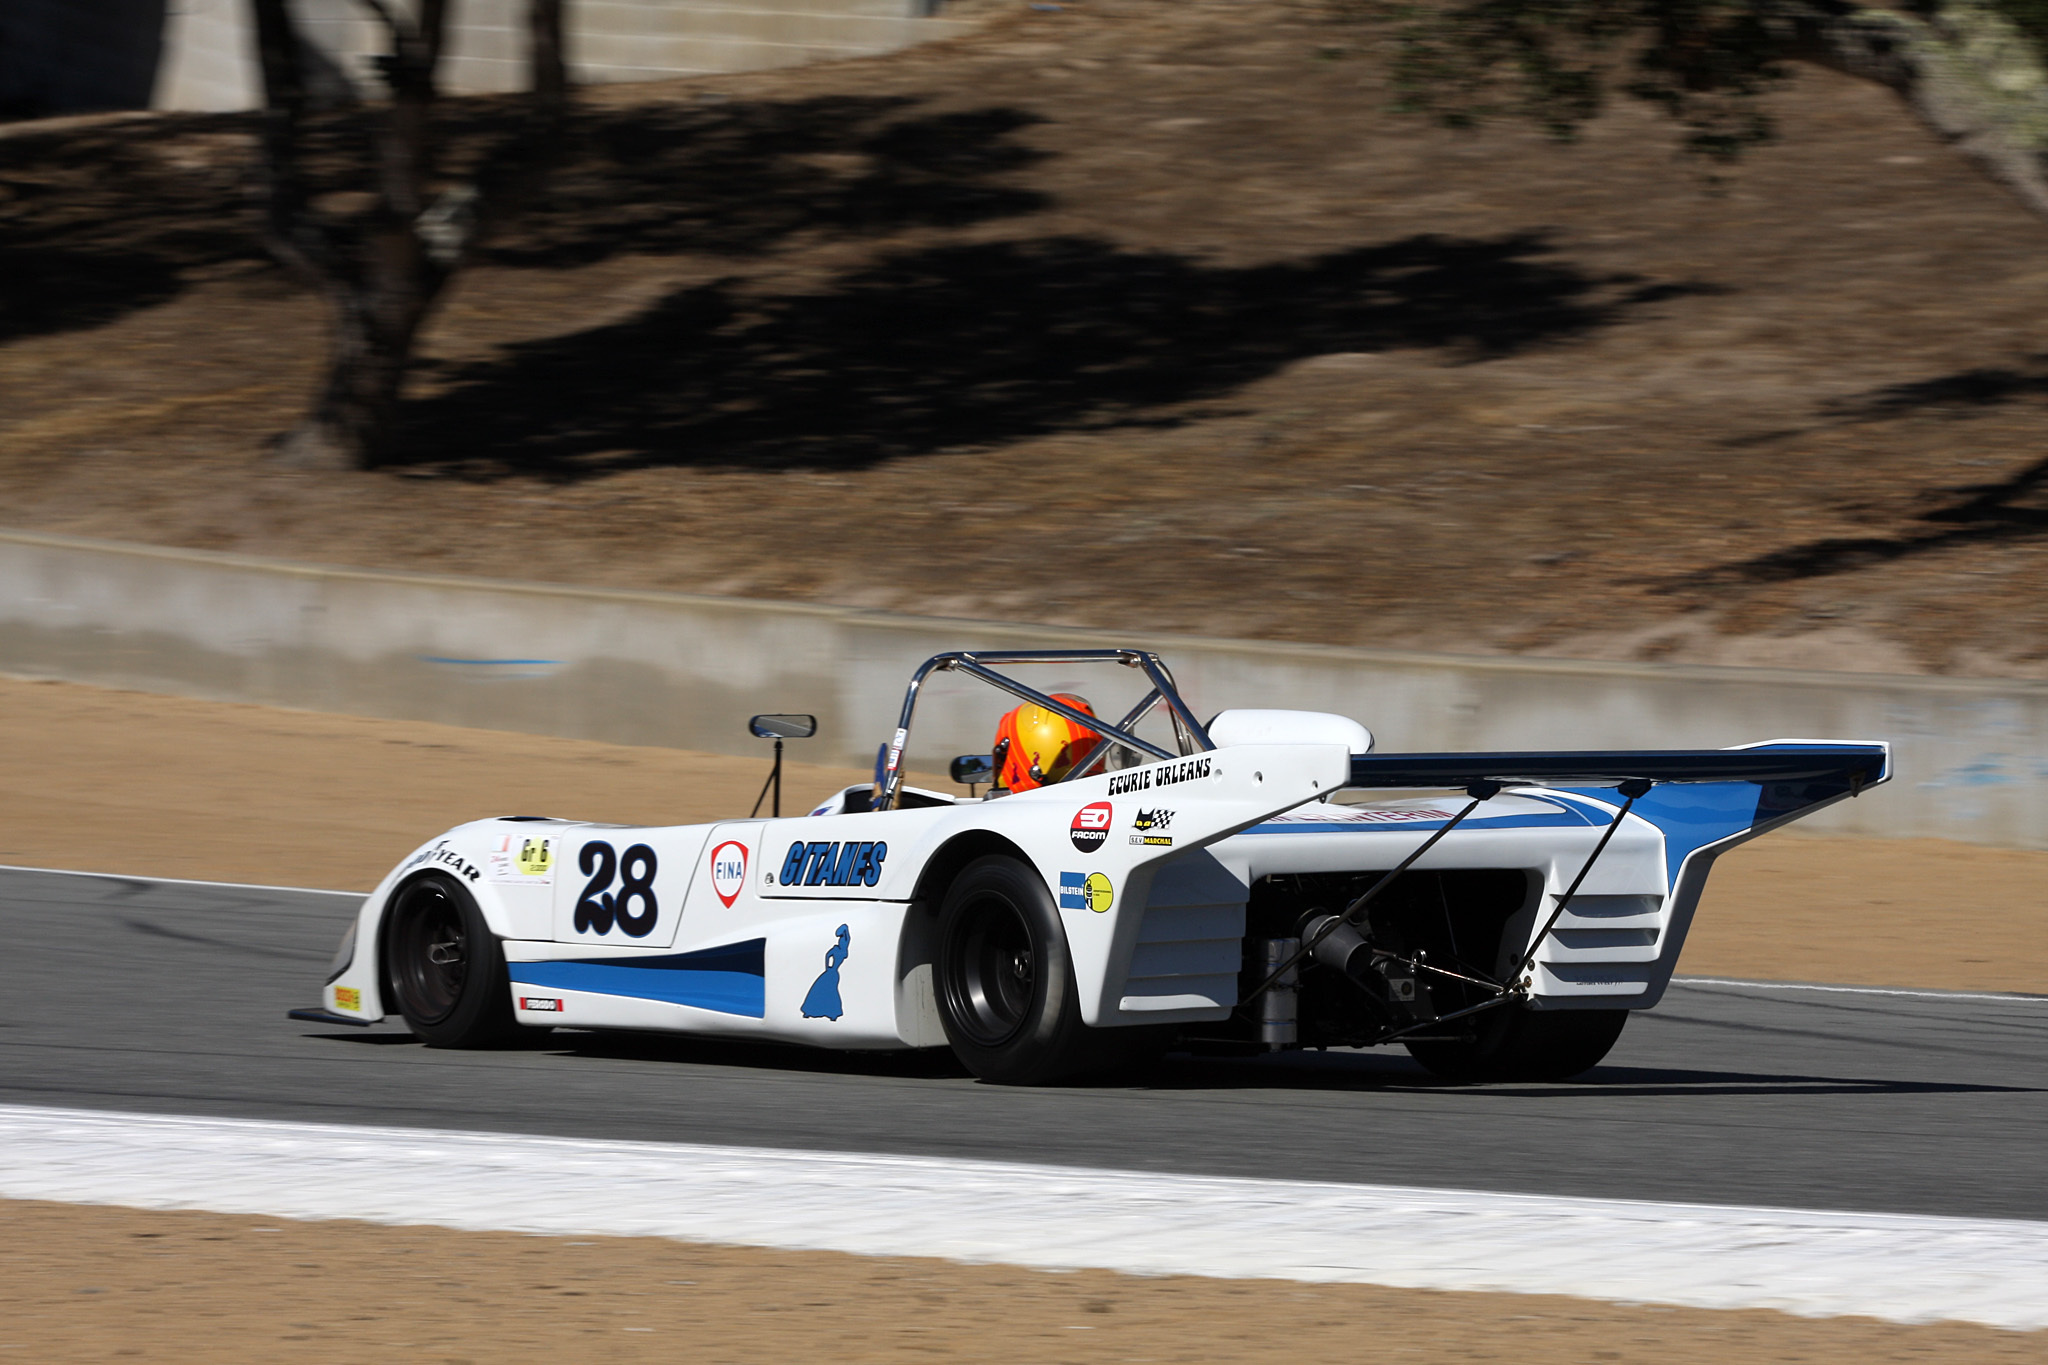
1097,892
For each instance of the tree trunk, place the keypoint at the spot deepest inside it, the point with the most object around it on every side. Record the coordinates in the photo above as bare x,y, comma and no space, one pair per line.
383,284
550,69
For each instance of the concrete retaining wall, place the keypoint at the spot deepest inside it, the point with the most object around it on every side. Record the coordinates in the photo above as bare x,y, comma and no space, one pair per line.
208,60
685,671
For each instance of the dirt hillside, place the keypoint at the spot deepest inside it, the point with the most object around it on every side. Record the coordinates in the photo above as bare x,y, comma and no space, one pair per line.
1117,311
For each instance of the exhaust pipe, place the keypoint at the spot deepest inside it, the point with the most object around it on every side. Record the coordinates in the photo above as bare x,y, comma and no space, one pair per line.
1390,982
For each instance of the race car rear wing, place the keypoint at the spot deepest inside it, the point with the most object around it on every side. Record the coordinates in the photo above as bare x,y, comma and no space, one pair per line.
1851,766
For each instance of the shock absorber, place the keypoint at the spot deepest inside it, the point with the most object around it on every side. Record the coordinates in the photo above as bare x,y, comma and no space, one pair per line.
1279,1003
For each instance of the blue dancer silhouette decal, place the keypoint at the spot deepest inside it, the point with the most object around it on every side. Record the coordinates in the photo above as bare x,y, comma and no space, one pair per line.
823,1001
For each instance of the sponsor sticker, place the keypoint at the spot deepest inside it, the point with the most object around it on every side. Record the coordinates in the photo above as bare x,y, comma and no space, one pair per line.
728,871
348,998
822,1001
1090,829
833,864
1159,775
540,1004
1154,824
1085,891
1324,815
446,857
522,860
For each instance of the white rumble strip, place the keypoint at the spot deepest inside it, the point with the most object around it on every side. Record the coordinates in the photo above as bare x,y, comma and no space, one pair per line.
1905,1268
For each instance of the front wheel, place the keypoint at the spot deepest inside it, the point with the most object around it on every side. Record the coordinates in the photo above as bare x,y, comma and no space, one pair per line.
1516,1044
446,967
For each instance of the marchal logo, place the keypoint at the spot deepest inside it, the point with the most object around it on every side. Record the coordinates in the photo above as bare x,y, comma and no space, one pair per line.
728,871
1091,826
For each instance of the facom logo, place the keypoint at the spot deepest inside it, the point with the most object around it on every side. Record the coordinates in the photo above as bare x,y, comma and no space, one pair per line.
1090,829
728,871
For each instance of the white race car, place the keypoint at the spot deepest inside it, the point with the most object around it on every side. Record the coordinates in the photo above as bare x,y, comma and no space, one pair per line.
1261,882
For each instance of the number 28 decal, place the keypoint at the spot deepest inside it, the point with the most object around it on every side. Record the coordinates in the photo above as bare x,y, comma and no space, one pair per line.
633,909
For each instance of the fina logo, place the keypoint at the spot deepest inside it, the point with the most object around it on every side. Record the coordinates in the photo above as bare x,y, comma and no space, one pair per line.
728,871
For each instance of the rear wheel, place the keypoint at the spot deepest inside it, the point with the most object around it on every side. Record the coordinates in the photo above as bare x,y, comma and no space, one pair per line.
446,967
1006,992
1515,1044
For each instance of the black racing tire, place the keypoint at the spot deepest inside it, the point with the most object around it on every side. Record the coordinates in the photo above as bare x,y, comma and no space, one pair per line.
446,968
1006,992
1515,1044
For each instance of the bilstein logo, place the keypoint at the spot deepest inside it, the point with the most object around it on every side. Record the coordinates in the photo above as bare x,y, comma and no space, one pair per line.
1091,826
1086,891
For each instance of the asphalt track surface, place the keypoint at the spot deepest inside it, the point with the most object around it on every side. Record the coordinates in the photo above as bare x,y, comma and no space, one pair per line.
128,994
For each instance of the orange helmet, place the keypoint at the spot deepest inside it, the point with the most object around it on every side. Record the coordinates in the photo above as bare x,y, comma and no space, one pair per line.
1035,746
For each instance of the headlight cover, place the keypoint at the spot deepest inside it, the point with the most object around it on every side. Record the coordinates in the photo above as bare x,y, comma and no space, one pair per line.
344,955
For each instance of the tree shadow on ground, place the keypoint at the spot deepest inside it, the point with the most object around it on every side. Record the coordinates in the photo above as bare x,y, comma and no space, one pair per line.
99,221
2010,509
739,179
1341,1070
967,345
103,220
1392,1071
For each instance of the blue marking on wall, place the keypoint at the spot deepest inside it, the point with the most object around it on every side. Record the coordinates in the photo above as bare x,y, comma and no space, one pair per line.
1987,771
438,659
731,979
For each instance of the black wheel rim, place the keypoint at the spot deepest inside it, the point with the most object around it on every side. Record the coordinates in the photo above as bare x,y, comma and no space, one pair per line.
429,954
994,972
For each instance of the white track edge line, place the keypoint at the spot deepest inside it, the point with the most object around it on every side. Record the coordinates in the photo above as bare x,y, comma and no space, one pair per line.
1855,990
180,881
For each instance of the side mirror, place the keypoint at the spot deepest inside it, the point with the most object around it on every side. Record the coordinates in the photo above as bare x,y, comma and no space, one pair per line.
972,769
778,728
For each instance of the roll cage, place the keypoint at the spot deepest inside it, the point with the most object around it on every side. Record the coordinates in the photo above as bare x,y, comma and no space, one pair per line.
1189,733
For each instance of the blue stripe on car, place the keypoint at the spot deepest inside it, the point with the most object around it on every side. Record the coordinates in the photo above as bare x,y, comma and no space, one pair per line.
730,979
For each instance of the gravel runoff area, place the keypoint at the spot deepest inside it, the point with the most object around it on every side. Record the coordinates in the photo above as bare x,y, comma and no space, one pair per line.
128,782
1898,1268
92,1284
1115,312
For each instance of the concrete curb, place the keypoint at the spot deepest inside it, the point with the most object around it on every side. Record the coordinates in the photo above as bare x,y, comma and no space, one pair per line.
1896,1267
684,671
